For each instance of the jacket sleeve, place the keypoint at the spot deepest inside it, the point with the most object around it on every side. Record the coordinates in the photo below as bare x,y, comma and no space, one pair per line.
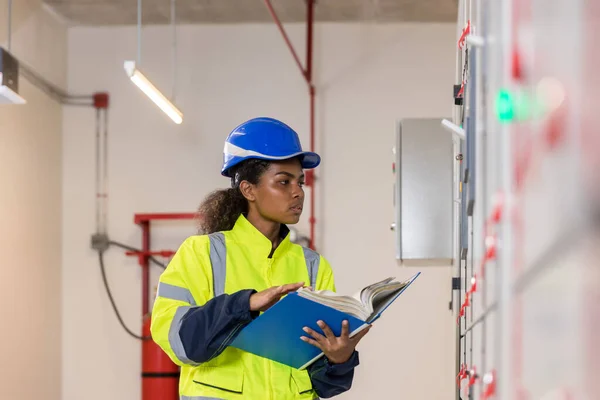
194,328
328,379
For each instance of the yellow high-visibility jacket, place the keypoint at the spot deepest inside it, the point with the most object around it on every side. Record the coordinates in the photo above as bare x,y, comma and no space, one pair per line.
203,302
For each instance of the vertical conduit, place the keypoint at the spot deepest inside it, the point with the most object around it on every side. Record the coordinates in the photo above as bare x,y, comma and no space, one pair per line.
307,74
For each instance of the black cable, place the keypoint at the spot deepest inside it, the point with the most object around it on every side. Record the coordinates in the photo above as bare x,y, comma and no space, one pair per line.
107,287
123,246
112,301
126,247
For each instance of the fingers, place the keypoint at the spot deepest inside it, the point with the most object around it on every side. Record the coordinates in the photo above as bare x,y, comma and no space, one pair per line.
317,336
290,287
311,341
345,330
328,333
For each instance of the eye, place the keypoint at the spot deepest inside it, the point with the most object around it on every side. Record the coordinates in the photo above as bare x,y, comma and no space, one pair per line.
285,181
301,183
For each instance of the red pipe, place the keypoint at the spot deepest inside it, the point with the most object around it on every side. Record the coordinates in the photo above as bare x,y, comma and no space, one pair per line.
311,88
309,39
144,220
312,219
307,74
285,37
145,264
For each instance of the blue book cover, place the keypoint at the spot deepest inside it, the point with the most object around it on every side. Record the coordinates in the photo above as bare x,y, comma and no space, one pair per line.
276,333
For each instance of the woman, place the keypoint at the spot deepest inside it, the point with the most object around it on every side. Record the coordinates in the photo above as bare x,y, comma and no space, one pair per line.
242,264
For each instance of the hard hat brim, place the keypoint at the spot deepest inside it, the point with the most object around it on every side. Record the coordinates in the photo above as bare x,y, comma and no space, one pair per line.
310,160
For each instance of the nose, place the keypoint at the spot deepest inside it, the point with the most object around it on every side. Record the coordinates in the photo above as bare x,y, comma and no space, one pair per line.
298,192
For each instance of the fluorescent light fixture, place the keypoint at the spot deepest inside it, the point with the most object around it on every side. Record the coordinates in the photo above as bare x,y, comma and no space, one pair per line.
152,92
9,96
9,79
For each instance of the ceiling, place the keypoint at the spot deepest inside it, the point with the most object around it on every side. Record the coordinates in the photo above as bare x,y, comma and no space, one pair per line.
123,12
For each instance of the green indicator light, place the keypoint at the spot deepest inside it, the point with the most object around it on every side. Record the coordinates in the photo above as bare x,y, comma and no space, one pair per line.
505,106
523,106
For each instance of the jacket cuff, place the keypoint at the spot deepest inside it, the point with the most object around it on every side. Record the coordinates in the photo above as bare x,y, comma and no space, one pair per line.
242,305
344,368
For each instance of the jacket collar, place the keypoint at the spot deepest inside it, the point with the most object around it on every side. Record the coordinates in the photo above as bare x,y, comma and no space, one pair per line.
245,233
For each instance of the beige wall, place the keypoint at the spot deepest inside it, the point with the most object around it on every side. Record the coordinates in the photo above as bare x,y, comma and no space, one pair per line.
30,212
368,77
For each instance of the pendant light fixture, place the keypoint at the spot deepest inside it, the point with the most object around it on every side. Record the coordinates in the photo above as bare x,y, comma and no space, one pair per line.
132,68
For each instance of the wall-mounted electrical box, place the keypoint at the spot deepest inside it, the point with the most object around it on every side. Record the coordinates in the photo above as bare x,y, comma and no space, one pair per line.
423,193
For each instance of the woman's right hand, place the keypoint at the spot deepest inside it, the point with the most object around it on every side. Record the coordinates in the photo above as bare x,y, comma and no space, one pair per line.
262,301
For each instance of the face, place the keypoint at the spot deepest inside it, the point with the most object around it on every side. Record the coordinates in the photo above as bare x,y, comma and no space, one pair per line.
278,196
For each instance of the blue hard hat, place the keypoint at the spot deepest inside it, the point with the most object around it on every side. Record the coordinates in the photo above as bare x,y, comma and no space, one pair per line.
266,139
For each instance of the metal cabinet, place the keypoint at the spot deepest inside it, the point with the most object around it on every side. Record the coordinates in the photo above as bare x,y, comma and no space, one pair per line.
423,193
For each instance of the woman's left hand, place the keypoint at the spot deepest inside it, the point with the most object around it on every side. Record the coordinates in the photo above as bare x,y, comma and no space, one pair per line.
337,349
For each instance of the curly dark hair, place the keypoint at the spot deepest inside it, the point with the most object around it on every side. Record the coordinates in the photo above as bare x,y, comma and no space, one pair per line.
220,209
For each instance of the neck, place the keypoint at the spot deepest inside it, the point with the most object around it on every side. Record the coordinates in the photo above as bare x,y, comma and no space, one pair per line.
268,228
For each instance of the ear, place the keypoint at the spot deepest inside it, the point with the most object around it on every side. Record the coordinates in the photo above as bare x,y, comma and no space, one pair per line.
248,190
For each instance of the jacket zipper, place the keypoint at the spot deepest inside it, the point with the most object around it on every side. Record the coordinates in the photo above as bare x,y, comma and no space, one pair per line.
269,274
269,374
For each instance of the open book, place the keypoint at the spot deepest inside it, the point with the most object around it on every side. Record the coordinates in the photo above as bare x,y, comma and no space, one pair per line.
366,304
275,334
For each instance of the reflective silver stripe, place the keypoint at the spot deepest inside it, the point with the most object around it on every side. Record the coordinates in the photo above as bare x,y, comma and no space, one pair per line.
218,256
175,293
312,264
236,151
175,340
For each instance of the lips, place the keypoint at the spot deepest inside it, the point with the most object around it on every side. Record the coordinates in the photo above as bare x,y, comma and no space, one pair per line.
296,208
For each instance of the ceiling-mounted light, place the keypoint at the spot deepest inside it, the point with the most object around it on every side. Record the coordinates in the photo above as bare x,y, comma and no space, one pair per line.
9,79
143,83
9,70
152,92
